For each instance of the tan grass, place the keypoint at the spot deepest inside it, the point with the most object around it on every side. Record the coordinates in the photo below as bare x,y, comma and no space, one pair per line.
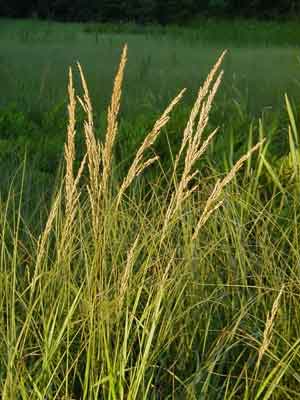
267,336
101,155
112,120
192,144
70,145
93,148
42,244
93,155
195,148
139,164
212,203
124,282
202,93
71,182
192,141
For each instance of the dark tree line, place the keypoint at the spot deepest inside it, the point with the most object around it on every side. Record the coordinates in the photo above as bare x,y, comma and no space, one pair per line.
143,11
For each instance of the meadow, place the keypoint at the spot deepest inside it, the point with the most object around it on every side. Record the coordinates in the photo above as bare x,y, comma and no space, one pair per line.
149,238
261,65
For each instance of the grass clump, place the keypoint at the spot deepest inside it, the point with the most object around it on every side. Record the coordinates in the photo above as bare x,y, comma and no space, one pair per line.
147,293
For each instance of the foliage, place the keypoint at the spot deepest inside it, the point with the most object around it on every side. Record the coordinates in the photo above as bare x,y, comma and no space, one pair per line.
161,11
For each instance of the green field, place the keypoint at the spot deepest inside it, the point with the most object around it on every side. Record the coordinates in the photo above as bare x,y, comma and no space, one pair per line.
170,268
261,65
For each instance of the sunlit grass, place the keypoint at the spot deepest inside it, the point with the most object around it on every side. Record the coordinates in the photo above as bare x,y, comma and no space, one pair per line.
182,287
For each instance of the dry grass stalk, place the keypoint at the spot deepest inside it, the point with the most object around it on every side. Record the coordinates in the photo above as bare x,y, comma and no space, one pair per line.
43,239
44,236
127,271
267,337
112,120
70,181
192,140
182,193
70,145
139,164
93,148
202,93
93,154
212,203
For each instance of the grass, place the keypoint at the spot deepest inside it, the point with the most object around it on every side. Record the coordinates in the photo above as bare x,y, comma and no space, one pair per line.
184,286
34,56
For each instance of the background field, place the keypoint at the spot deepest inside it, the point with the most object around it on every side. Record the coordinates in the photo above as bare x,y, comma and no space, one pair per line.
261,65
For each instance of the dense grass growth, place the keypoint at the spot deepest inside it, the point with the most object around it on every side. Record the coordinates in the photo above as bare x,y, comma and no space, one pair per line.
181,287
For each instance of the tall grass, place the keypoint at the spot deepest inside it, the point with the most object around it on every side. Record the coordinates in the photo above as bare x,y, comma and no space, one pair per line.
185,289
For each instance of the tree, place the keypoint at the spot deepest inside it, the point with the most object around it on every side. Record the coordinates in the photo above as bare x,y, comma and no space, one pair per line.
112,10
143,11
16,9
140,11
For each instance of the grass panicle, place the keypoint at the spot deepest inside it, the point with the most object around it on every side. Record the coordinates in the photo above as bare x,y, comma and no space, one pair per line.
112,120
139,164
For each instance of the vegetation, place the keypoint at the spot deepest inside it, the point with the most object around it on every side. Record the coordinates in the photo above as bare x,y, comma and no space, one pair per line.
155,267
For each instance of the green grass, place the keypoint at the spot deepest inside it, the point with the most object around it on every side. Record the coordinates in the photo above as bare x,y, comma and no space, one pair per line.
262,62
